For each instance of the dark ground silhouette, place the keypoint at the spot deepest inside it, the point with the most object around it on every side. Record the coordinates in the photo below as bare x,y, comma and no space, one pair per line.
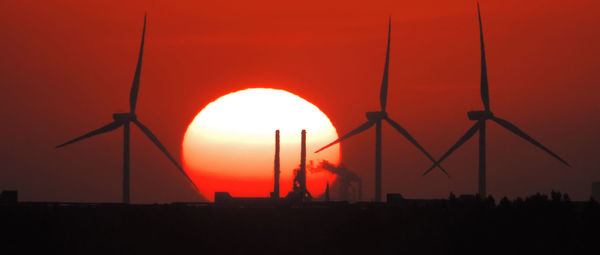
534,225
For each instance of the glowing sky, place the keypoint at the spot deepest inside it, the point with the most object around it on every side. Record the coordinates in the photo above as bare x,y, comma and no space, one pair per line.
67,66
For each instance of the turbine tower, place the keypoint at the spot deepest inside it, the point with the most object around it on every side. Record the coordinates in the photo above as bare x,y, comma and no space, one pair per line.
481,117
124,119
375,118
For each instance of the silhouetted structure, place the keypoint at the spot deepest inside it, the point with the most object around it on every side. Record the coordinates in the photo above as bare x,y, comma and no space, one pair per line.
344,181
302,173
275,194
481,117
9,196
398,200
596,190
327,198
298,194
124,119
375,118
299,187
224,198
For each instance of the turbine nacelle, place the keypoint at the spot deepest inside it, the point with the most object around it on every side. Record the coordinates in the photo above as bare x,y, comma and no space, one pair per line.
124,117
480,115
374,116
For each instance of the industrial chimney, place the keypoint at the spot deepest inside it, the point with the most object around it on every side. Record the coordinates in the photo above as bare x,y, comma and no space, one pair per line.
327,193
302,171
299,191
275,194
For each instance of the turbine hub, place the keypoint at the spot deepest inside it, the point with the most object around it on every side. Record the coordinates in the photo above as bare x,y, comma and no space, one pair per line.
124,117
478,115
373,116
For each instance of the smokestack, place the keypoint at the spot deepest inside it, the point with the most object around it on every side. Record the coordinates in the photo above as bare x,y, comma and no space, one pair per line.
327,192
276,167
359,190
303,164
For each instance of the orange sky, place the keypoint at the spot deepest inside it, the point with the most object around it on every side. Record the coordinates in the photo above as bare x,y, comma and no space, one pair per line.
66,66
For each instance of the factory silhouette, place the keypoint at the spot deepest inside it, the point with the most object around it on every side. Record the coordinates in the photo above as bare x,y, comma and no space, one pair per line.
339,221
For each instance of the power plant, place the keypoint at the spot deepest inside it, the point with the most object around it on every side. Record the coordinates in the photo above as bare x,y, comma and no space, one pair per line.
299,191
347,185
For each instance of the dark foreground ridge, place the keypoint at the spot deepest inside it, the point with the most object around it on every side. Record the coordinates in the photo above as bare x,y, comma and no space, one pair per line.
535,225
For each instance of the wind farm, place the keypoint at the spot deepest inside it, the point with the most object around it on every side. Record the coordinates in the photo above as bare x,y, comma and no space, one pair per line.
257,107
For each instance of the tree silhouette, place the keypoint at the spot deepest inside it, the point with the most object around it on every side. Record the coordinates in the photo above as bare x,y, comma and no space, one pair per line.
556,196
504,202
566,198
452,197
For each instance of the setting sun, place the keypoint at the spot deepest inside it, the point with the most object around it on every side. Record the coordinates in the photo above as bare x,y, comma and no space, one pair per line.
229,146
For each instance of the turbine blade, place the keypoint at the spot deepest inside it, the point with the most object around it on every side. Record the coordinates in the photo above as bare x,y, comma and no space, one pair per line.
155,140
138,71
384,82
104,129
511,127
357,130
460,142
414,142
485,97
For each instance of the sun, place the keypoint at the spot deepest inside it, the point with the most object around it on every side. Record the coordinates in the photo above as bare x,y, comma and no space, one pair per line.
230,144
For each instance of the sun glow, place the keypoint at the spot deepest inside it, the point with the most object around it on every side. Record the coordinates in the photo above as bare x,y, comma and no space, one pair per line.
230,144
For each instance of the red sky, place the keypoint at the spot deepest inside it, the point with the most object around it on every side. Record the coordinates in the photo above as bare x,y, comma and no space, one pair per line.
66,66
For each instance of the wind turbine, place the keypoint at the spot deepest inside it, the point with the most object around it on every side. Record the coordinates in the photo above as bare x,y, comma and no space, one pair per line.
375,118
481,117
124,119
